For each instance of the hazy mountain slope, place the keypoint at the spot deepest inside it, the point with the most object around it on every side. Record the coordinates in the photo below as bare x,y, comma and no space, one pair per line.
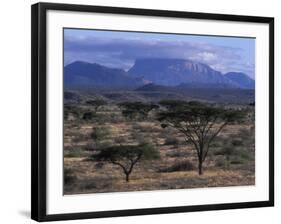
241,79
86,74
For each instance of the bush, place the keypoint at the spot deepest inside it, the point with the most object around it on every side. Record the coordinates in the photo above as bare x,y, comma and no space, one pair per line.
243,154
68,176
75,152
171,141
100,133
89,186
121,140
141,138
245,134
79,137
236,142
88,116
179,166
99,165
145,127
220,162
174,153
237,161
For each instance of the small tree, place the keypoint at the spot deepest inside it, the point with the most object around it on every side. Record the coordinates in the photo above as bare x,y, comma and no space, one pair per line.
126,156
88,115
96,104
71,110
99,134
133,110
199,123
173,104
227,152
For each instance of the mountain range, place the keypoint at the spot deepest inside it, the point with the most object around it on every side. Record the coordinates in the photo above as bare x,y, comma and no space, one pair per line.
84,74
161,72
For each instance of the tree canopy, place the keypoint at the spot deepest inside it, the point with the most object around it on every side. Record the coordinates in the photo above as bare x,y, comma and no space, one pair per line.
126,156
134,110
199,123
95,104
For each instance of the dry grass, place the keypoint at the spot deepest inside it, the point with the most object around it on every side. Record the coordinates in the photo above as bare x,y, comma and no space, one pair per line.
109,179
92,177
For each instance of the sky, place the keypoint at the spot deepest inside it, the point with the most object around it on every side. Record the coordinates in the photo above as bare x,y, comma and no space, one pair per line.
118,49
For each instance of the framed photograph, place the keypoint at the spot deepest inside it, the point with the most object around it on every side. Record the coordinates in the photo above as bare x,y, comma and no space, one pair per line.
139,111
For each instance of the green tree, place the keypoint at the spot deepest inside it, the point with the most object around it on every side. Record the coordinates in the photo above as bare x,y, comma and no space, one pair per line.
96,104
88,115
99,135
227,152
134,110
198,122
127,156
71,110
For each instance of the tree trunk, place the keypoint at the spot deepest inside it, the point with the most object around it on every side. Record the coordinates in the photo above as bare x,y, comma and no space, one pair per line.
200,167
127,177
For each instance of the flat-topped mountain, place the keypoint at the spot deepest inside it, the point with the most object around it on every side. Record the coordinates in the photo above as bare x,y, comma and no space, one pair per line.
173,72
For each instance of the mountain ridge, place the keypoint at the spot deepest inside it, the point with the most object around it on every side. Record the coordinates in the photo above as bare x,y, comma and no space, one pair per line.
174,72
159,71
81,73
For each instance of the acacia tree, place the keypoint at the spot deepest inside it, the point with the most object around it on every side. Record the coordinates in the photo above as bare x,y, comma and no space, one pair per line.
71,110
126,156
133,110
199,123
95,105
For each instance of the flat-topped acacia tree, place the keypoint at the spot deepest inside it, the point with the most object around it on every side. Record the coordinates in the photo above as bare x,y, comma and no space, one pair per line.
199,123
127,156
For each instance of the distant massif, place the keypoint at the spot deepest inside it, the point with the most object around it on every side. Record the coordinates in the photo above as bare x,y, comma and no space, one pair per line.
151,73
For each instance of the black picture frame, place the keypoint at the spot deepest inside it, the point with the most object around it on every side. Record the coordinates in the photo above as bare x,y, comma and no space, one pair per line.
39,123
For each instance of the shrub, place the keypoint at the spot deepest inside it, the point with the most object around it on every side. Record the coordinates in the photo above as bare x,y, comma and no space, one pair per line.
220,162
89,186
79,137
88,116
177,154
236,142
120,140
71,110
237,161
68,176
185,165
243,154
99,165
141,138
100,134
171,141
145,127
74,152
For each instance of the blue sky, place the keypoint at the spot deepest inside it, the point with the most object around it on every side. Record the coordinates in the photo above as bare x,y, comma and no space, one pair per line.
120,49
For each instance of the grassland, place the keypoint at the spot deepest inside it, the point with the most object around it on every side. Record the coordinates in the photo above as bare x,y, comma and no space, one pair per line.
177,166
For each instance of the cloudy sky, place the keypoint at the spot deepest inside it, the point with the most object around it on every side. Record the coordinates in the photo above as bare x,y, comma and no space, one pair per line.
120,49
